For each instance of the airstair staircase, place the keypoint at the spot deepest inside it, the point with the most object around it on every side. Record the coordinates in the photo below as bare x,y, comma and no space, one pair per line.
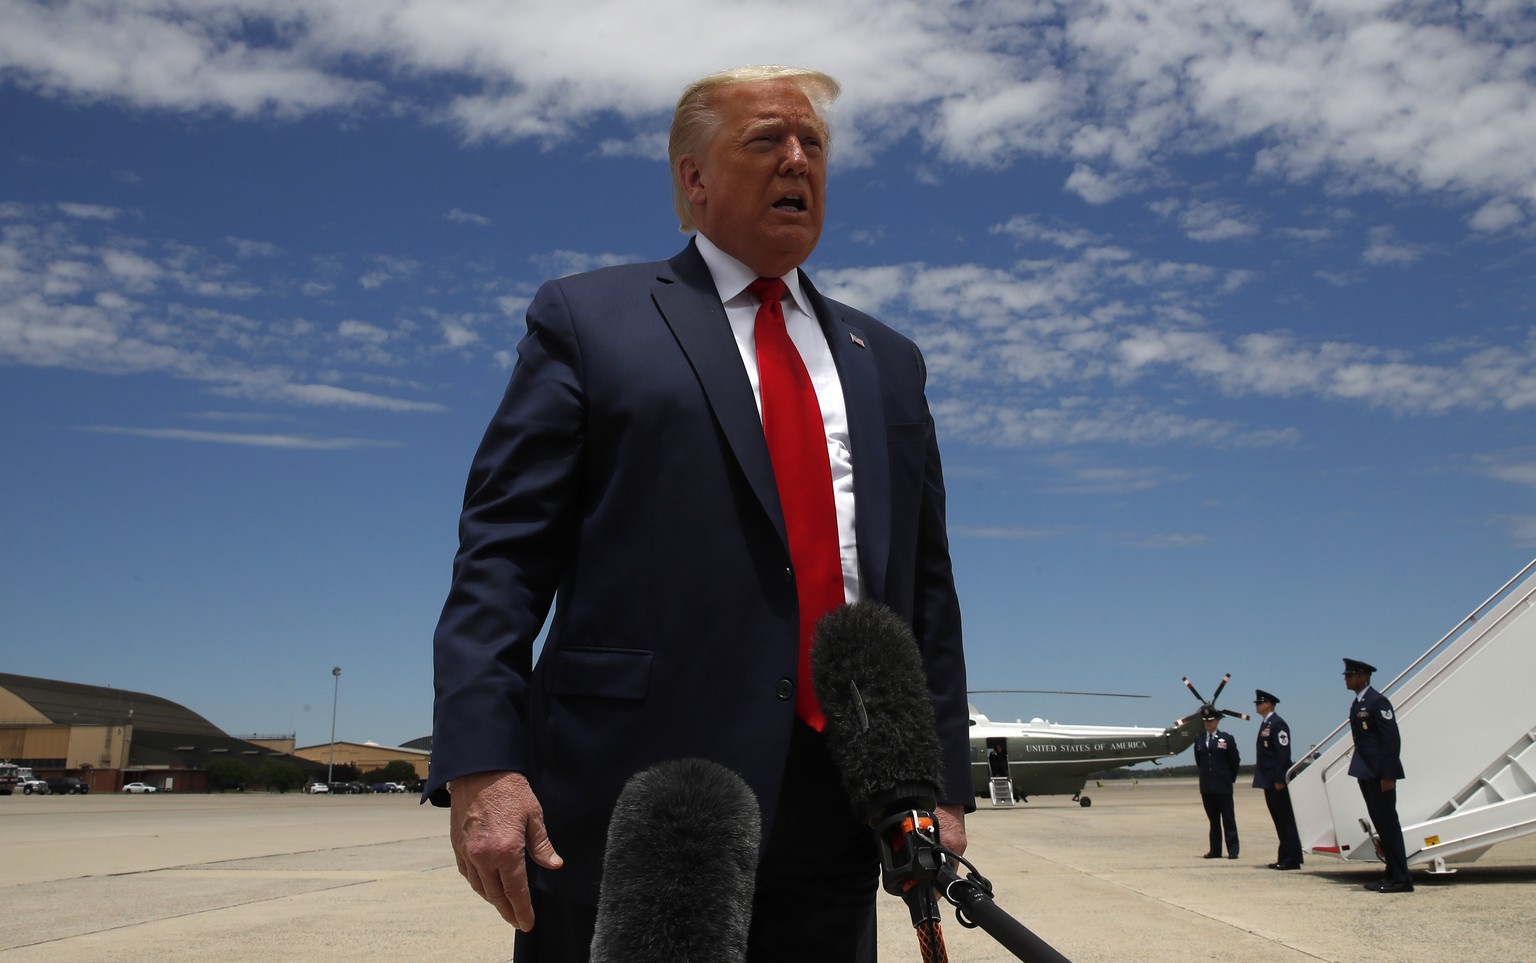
1468,722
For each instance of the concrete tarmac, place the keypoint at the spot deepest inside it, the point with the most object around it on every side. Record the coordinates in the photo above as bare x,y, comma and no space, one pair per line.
292,877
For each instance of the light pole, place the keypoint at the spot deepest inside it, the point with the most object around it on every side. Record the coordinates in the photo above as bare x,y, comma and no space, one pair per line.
335,693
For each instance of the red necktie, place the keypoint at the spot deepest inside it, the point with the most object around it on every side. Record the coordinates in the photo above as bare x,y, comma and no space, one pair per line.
797,444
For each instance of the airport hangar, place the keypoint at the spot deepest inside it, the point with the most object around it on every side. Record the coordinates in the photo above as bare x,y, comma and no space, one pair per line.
110,737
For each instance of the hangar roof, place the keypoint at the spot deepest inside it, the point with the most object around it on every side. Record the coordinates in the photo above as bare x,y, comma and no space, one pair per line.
74,703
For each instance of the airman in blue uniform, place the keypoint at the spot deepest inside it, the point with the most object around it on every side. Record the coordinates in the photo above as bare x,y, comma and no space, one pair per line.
1272,760
1216,758
1377,764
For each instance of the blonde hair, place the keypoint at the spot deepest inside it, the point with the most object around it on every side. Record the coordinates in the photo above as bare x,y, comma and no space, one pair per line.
694,122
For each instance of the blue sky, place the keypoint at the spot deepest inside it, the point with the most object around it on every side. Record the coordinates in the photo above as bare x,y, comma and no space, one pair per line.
1228,310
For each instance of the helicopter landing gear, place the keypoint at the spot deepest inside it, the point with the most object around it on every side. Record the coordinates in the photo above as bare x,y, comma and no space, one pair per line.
1082,800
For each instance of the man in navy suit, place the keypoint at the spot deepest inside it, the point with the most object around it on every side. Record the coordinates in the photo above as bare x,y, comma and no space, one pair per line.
1217,759
626,480
1378,765
1272,760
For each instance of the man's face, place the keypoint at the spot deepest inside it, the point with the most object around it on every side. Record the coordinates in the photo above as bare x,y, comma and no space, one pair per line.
757,190
1210,725
1265,708
1355,681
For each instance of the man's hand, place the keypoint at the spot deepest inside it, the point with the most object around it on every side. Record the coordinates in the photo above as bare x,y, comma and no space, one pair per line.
496,821
952,828
1387,785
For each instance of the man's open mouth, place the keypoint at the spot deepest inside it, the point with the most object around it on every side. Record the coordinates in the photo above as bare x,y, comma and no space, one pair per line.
790,202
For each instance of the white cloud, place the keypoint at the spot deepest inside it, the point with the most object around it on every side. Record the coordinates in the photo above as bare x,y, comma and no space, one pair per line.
1003,345
1208,220
1016,534
89,212
1406,96
245,249
1027,227
559,264
467,217
254,441
386,269
1517,470
1386,249
363,331
1522,529
172,55
71,299
1496,215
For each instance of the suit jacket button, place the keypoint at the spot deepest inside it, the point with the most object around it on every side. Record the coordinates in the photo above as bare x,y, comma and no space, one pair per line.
789,575
784,689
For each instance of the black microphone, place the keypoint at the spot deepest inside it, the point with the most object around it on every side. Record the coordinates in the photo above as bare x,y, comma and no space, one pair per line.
679,867
882,736
880,731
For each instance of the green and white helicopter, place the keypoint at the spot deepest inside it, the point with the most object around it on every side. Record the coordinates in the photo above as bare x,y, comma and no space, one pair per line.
1011,761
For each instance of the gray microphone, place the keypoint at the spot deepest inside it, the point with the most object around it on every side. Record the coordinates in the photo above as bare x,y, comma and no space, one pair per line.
679,869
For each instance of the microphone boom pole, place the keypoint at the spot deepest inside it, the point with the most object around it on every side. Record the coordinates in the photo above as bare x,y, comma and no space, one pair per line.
972,898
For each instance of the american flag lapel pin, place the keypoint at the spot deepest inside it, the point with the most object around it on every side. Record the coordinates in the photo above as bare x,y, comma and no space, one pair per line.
856,339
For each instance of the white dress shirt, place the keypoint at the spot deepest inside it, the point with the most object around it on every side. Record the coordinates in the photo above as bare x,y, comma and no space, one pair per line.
731,281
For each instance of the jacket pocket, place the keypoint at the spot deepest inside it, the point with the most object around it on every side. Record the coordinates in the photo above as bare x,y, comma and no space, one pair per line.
600,673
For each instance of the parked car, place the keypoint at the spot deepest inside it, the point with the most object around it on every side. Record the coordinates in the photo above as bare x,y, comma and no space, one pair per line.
386,787
67,786
139,787
317,788
38,786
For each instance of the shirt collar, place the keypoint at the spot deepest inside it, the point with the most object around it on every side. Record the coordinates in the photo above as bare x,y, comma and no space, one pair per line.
732,277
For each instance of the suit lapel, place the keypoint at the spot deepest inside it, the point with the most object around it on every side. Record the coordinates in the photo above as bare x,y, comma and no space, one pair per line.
856,369
691,307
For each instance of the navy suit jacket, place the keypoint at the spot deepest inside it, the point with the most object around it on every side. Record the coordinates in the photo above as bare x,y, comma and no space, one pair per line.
625,480
1272,756
1378,745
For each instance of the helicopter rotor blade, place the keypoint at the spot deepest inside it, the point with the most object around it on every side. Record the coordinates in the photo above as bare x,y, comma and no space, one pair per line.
1224,680
1193,690
1113,695
1235,714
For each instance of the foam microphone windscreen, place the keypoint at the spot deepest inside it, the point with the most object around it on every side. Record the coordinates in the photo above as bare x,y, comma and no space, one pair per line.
678,871
873,690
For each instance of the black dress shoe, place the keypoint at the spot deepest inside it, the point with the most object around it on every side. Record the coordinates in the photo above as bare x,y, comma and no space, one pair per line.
1211,856
1395,888
1231,855
1284,865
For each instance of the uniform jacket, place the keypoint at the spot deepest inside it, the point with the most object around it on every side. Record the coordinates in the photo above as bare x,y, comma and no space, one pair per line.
1378,745
1218,762
625,481
1272,752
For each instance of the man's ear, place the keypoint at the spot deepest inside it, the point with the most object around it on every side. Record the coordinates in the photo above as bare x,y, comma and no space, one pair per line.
692,179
